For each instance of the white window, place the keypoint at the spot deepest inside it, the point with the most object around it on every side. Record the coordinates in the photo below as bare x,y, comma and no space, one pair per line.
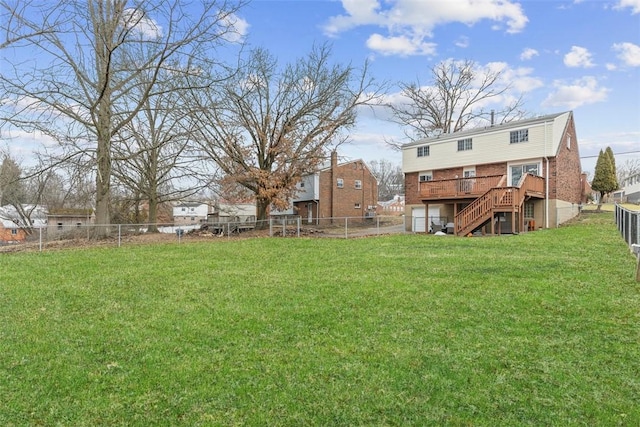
465,144
425,176
518,136
340,182
469,172
301,184
358,184
517,171
569,142
14,231
357,206
423,151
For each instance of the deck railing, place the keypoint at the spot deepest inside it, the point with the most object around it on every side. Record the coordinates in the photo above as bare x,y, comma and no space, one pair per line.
459,187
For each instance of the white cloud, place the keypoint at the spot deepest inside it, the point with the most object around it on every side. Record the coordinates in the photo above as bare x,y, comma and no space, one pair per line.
235,28
528,53
462,42
578,57
581,92
520,79
147,27
411,21
633,4
399,45
629,53
611,67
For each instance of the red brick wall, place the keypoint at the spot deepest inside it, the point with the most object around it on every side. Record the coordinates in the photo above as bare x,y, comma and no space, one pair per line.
564,180
411,189
340,202
491,169
7,236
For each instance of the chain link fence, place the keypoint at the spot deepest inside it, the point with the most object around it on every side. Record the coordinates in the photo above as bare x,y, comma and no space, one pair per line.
80,235
628,223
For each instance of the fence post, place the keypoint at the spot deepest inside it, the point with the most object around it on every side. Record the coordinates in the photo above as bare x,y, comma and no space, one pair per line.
346,227
40,238
636,251
378,225
119,233
298,221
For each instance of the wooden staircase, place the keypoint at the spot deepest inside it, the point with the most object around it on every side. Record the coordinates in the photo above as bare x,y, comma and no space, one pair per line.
497,199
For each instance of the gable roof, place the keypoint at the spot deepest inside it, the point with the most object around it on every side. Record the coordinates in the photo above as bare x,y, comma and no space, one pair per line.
559,119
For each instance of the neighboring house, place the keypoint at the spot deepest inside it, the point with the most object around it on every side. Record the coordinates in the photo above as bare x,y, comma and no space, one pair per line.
12,229
337,191
240,216
188,213
10,232
630,192
505,178
65,220
394,206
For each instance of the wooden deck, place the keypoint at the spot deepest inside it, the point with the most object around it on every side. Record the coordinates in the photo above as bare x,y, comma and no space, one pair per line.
459,188
487,195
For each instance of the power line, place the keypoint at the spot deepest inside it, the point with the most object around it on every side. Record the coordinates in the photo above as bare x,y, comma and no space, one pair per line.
615,154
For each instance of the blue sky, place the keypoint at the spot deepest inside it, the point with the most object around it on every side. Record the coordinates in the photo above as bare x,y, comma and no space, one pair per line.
561,55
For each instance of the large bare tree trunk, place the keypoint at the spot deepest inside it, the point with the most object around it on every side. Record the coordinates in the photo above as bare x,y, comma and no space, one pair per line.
153,214
262,208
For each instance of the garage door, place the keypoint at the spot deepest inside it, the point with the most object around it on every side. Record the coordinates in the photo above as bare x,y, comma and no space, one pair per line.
417,218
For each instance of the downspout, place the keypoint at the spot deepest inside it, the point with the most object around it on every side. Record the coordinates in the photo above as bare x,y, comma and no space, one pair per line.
546,180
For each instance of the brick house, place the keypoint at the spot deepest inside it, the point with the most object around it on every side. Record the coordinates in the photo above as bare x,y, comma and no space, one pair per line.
336,191
10,232
505,178
393,207
12,226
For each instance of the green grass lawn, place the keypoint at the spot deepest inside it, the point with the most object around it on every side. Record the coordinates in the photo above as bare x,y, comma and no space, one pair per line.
536,329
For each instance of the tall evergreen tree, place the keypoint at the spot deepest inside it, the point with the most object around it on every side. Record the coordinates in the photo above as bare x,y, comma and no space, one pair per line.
609,152
604,180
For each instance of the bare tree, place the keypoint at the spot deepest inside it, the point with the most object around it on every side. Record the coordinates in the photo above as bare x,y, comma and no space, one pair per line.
15,28
155,161
456,99
21,190
627,169
79,89
390,178
267,127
